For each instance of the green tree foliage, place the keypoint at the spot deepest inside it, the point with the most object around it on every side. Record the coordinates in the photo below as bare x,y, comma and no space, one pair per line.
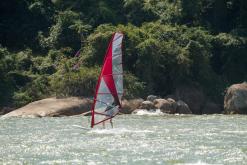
67,82
6,86
167,43
64,33
231,54
20,22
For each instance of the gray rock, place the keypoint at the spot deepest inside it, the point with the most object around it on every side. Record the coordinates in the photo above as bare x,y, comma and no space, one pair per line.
166,106
235,101
152,98
193,96
128,106
148,105
183,108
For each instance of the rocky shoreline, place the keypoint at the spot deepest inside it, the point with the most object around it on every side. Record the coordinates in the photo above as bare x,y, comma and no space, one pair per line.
185,100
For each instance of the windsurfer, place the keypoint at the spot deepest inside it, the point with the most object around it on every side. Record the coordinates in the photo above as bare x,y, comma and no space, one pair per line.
109,112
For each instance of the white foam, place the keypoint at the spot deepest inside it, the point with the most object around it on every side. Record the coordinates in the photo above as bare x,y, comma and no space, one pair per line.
235,132
197,163
61,161
117,131
155,112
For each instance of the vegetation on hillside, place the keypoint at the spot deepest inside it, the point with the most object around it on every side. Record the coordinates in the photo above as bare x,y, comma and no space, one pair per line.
167,43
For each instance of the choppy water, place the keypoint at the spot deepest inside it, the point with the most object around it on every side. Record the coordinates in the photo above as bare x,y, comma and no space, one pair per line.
169,140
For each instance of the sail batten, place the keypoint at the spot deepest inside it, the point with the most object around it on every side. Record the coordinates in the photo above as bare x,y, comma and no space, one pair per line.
109,89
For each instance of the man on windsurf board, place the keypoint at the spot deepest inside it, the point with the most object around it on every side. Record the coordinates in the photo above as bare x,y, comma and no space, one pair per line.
110,112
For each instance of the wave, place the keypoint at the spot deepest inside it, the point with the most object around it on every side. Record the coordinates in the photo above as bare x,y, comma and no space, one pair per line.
235,132
117,131
197,163
155,112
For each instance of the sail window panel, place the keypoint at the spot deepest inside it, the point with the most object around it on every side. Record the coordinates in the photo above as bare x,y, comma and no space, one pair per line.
117,69
105,116
100,107
98,117
114,110
117,45
116,60
103,87
117,36
118,79
102,101
118,39
116,51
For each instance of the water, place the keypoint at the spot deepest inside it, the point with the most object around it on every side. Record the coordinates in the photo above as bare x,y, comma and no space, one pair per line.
165,139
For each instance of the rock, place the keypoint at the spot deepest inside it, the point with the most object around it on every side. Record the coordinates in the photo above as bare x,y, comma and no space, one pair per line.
212,108
166,106
53,107
159,102
193,96
148,105
128,106
183,108
235,100
152,98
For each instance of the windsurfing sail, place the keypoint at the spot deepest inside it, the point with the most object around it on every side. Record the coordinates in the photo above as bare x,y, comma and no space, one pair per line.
109,89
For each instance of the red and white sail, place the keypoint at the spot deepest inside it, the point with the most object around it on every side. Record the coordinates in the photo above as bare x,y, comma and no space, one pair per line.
109,89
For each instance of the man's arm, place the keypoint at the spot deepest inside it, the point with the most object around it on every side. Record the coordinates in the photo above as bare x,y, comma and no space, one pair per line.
86,113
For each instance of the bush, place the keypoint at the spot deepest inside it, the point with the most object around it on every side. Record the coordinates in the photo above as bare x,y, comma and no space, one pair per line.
230,57
36,89
74,83
133,87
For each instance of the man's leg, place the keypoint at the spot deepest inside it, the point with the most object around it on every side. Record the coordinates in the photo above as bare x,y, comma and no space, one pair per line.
111,123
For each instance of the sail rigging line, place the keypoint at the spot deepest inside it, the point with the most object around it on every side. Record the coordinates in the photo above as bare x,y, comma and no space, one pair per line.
77,65
104,103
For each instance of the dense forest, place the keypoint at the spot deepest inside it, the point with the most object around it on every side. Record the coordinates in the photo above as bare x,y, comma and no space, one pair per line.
56,47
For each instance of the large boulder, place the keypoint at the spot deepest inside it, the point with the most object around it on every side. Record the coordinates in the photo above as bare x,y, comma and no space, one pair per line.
152,98
235,101
193,96
166,106
212,108
148,105
128,106
53,107
183,108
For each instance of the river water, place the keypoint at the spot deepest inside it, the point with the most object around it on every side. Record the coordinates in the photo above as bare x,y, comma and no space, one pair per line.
135,139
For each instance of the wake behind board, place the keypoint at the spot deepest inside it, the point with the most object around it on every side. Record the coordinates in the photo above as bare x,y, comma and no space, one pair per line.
78,126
